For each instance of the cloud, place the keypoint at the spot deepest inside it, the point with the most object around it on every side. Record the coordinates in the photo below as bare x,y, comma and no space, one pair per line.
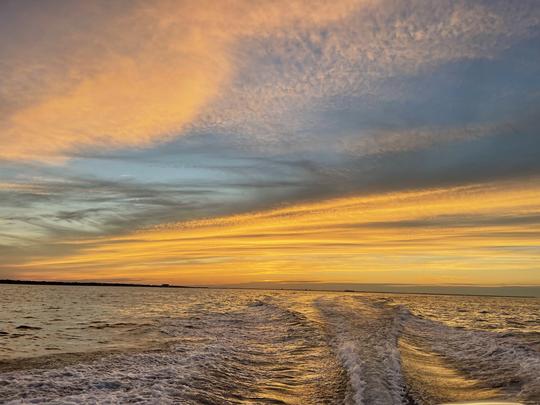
205,177
96,75
288,80
55,206
99,76
355,239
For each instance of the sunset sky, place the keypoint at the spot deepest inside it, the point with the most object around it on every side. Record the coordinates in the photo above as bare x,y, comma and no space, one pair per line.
230,142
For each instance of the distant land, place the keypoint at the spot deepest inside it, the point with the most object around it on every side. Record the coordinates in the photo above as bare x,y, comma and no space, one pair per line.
531,291
468,290
92,284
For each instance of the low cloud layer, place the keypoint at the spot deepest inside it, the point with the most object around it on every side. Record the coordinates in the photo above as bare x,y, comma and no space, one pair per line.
453,235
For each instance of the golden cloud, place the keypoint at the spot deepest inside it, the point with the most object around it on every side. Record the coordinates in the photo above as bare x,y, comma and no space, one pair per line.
83,75
131,77
484,233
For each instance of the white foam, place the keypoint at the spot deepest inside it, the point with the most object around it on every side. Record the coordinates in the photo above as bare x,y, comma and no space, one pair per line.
254,346
258,351
365,340
496,359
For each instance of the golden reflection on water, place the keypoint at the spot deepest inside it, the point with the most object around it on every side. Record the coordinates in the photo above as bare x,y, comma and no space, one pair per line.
433,379
484,403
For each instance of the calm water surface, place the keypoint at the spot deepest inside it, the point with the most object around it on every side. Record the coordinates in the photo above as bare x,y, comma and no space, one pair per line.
69,344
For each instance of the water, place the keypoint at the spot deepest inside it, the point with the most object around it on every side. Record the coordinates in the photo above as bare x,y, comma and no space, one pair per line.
72,345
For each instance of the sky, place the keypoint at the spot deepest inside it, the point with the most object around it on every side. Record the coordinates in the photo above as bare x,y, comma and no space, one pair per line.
251,142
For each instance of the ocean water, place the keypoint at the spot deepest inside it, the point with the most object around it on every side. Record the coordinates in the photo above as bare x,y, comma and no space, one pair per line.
109,345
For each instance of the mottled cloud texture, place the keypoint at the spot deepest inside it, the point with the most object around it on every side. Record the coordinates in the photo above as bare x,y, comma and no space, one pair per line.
99,75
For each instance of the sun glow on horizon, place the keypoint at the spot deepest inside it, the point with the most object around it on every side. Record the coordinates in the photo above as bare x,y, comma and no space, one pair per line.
453,235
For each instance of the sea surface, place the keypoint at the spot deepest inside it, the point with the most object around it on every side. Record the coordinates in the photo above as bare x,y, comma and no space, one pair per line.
109,345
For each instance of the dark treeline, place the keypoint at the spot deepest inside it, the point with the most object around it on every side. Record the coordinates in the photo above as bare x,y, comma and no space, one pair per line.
90,283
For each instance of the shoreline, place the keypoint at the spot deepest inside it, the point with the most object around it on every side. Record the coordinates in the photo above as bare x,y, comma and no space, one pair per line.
217,287
92,284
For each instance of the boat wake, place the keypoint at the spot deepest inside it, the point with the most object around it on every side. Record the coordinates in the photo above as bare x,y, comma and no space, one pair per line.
294,348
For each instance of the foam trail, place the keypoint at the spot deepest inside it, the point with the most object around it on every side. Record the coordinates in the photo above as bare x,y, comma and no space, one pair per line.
255,351
257,347
496,360
365,336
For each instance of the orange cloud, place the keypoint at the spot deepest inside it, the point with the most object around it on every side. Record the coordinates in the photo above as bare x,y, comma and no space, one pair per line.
485,234
83,75
132,77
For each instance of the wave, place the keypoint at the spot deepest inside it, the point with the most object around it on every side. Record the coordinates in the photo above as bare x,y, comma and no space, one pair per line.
394,357
496,361
365,339
259,353
293,348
